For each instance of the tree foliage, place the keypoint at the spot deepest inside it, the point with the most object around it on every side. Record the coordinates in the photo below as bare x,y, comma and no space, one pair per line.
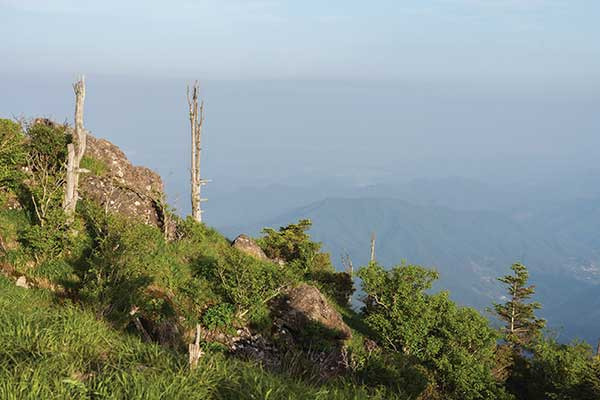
41,190
292,244
46,158
557,371
456,343
12,154
124,260
242,280
521,326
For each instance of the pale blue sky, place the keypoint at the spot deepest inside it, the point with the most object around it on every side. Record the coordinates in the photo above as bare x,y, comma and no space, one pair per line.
299,91
535,41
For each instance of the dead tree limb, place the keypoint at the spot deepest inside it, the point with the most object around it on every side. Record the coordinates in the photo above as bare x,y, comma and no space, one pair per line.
75,150
347,263
196,115
195,352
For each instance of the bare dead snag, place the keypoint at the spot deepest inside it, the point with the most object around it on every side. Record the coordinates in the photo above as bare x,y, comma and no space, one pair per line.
75,151
372,258
195,352
347,263
196,122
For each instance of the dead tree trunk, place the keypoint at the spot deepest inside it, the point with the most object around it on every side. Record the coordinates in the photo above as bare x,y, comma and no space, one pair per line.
372,258
194,350
196,122
75,151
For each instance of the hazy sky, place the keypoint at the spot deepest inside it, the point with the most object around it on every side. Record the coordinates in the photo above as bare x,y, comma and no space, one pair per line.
479,40
301,90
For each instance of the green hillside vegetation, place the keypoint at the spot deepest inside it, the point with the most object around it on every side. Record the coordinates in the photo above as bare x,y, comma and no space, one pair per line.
105,306
470,248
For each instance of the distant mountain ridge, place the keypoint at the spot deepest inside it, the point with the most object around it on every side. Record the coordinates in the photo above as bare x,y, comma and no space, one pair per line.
471,248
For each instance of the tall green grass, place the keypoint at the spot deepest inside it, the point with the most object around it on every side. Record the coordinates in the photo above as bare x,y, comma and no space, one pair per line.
51,350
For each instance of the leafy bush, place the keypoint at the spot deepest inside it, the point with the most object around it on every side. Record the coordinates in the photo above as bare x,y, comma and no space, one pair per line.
193,235
129,267
303,257
338,285
557,371
48,143
242,280
455,343
218,316
12,154
46,157
50,239
293,245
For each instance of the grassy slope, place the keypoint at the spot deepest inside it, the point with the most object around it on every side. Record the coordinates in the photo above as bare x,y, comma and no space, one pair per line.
55,349
59,351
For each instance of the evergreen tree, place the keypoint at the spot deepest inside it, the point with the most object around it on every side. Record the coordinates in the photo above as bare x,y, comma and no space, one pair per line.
521,324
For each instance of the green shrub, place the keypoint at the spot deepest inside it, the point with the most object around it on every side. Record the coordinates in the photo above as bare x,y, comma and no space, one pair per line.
193,234
12,154
242,280
338,285
126,258
259,318
50,239
557,371
46,160
219,316
293,245
47,143
455,343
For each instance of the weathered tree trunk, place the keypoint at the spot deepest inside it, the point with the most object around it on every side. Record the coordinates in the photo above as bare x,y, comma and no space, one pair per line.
75,150
196,122
194,350
372,258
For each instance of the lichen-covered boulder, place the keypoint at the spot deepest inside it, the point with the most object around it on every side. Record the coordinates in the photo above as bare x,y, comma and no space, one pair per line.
246,245
304,308
120,186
